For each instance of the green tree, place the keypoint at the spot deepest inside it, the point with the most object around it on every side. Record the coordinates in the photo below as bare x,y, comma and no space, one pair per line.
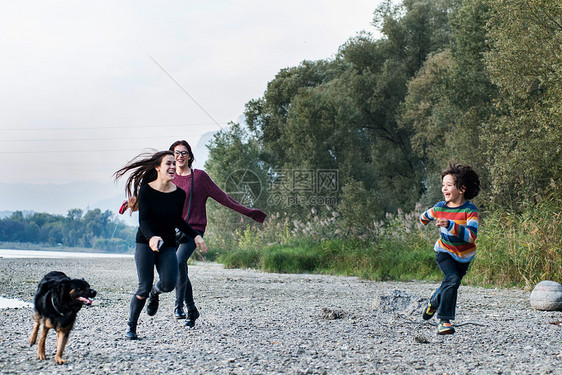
236,166
342,113
74,214
429,113
524,143
449,101
72,230
267,117
414,29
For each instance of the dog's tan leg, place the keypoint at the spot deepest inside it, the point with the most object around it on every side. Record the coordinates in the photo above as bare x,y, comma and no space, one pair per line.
62,339
45,327
36,324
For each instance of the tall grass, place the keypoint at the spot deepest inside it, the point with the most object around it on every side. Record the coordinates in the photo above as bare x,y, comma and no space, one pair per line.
387,260
520,250
513,249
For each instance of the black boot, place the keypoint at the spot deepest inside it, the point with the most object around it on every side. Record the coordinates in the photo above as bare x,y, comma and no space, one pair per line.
132,332
179,313
192,316
152,306
134,311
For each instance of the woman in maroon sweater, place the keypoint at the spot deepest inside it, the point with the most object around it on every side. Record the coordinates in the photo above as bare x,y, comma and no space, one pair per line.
159,203
201,189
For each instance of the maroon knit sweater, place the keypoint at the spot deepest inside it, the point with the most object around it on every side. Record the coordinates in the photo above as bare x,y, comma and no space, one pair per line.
205,188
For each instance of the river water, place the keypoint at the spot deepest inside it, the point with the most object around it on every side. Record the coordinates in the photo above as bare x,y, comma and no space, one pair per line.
10,253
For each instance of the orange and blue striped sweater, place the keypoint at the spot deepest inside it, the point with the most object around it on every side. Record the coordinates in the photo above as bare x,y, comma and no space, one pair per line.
458,238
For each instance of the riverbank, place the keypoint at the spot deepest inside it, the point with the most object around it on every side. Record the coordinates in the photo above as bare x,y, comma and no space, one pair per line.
11,253
255,323
41,246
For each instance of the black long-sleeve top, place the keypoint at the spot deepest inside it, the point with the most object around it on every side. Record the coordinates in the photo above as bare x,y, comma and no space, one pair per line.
160,214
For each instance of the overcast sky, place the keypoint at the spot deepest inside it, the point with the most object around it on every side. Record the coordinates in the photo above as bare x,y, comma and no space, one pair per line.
80,95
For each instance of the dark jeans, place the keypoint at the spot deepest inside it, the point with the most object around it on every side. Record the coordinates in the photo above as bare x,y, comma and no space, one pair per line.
166,264
446,295
184,291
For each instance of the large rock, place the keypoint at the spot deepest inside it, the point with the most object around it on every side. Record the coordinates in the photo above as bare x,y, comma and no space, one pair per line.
398,302
547,295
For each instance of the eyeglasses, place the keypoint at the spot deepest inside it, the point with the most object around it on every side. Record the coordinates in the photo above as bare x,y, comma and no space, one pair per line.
182,153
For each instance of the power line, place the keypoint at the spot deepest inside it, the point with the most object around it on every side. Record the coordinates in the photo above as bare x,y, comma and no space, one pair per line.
186,93
65,151
84,139
109,127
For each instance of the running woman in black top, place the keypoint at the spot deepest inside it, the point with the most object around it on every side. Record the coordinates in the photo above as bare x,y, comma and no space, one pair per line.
160,203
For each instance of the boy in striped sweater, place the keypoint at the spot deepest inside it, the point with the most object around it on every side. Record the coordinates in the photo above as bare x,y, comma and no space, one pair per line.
457,220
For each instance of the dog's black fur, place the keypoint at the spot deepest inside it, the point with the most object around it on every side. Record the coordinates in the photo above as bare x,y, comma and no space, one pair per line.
57,302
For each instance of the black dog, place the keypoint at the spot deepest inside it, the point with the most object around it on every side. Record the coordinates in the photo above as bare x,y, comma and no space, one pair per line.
58,300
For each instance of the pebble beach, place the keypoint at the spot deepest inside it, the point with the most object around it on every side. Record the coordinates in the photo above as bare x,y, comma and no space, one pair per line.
263,323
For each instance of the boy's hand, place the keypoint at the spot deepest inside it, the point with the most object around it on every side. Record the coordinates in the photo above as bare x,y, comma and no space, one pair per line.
442,223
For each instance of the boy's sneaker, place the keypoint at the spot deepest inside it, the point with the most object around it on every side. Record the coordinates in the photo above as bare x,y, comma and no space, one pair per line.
429,311
445,328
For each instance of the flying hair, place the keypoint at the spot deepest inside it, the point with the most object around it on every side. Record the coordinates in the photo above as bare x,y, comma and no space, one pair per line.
142,169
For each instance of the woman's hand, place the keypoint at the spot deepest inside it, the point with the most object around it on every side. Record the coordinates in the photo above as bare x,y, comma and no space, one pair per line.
154,242
200,244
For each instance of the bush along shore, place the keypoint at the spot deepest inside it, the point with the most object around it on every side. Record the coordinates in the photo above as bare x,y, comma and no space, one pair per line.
513,250
256,323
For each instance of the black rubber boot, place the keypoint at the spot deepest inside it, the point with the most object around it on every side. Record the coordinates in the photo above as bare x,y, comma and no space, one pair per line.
134,311
179,313
132,332
152,306
192,316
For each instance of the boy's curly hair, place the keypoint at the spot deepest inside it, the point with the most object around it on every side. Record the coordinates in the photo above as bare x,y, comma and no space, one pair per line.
465,176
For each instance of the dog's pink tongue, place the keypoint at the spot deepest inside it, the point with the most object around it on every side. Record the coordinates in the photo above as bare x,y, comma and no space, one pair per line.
85,300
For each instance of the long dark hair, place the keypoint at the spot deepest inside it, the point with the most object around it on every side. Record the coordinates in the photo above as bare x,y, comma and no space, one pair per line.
184,143
143,171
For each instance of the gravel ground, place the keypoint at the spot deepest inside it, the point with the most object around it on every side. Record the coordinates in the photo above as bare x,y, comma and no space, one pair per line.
259,323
